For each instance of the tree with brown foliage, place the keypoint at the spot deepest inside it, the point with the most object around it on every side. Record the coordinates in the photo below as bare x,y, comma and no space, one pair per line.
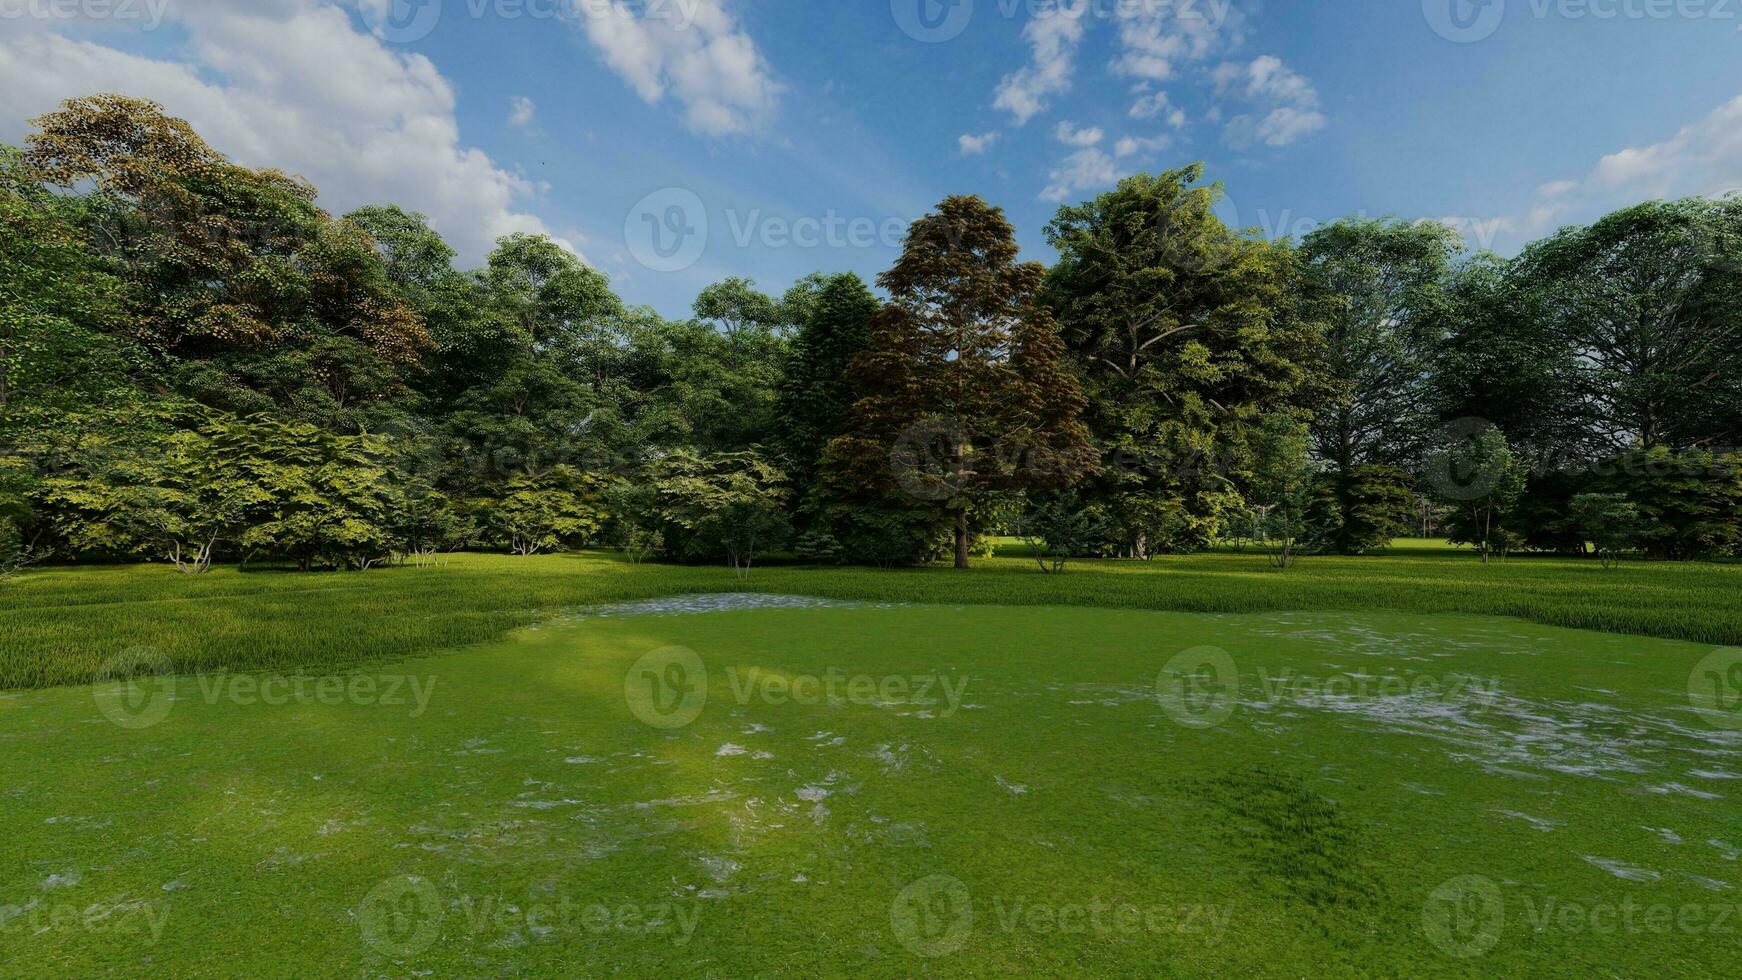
964,390
233,276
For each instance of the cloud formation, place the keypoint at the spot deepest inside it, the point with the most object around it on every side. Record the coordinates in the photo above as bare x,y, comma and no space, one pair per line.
1053,37
1071,136
1084,170
974,145
292,84
1702,159
694,52
1155,39
1283,107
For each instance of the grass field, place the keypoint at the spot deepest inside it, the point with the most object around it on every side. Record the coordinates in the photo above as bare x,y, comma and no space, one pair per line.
1191,767
61,626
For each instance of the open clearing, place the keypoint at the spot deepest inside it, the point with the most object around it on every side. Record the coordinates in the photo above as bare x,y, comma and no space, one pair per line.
892,789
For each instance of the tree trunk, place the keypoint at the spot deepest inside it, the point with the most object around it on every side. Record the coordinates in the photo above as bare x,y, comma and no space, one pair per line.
962,539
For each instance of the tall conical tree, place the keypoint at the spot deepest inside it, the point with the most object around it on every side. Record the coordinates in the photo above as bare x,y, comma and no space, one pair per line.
816,390
964,393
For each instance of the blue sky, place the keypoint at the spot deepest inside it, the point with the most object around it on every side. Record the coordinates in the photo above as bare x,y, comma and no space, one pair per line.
804,135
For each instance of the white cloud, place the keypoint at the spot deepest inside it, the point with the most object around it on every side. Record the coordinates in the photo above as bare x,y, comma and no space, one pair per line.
694,51
1285,106
1135,146
521,111
1156,38
1053,35
1070,136
1265,79
1083,170
1156,104
1702,159
291,84
1278,127
973,146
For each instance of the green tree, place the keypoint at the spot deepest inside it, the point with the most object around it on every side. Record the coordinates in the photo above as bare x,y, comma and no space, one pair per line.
1060,526
175,496
1483,481
1185,334
1281,486
1689,503
1361,510
549,295
730,505
702,388
1503,367
325,500
559,508
1608,520
736,305
816,390
252,298
425,523
57,305
965,367
1381,287
1643,309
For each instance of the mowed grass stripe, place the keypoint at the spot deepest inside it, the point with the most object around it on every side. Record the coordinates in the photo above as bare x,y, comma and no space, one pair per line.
61,626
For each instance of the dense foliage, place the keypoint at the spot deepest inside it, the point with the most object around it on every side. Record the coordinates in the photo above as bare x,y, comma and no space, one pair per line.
199,364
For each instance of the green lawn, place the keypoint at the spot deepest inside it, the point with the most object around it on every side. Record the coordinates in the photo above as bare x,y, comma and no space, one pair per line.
1353,768
60,626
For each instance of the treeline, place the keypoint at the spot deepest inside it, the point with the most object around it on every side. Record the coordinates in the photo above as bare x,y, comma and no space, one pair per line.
199,364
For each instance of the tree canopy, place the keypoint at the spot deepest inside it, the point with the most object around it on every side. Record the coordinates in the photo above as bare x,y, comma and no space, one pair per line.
199,364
